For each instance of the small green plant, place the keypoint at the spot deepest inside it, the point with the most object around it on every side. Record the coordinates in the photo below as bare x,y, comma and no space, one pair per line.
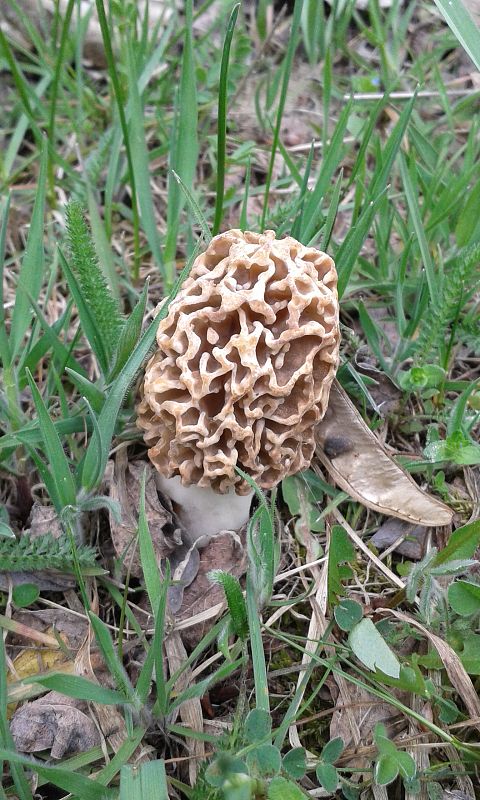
30,554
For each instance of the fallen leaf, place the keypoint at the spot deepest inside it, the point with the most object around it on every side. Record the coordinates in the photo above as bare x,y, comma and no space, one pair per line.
412,538
56,723
360,466
44,519
124,486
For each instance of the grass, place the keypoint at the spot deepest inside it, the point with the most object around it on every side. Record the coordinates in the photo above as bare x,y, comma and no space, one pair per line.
356,131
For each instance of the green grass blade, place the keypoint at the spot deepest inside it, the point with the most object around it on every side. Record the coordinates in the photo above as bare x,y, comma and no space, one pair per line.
258,656
49,341
246,192
287,68
185,154
5,353
57,74
145,782
194,208
31,272
120,99
348,252
411,195
222,120
115,667
140,159
151,573
58,462
87,389
463,26
102,245
161,703
130,334
72,782
331,216
330,164
77,687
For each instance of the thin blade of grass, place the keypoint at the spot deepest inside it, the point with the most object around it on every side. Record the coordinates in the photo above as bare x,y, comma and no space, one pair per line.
62,476
77,687
120,99
130,333
31,272
413,207
463,26
72,782
222,120
159,594
115,667
331,216
184,155
256,645
287,68
57,74
331,160
5,353
139,150
194,208
146,782
348,252
151,573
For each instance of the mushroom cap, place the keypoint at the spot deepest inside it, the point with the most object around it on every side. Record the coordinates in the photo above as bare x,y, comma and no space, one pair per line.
246,357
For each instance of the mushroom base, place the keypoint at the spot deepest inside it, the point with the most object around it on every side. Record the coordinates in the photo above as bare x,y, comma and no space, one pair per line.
203,512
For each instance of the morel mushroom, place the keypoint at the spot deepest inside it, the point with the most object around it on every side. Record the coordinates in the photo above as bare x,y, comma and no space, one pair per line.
246,357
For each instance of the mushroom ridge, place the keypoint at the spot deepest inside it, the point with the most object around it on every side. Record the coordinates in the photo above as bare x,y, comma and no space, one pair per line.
246,357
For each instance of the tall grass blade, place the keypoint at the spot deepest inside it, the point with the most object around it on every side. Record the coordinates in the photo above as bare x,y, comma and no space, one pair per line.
120,99
71,782
184,155
57,74
146,782
463,26
407,172
287,68
59,466
222,120
31,272
139,152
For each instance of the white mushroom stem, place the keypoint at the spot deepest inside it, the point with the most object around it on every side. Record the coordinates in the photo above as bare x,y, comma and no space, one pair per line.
203,512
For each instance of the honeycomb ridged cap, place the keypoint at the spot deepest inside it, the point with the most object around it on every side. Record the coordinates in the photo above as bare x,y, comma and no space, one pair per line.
246,357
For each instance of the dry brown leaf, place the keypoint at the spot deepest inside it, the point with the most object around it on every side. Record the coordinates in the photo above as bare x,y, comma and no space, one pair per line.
457,673
56,723
406,539
360,466
124,486
44,519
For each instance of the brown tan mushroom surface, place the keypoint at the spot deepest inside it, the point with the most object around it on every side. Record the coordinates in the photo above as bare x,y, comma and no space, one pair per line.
246,357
